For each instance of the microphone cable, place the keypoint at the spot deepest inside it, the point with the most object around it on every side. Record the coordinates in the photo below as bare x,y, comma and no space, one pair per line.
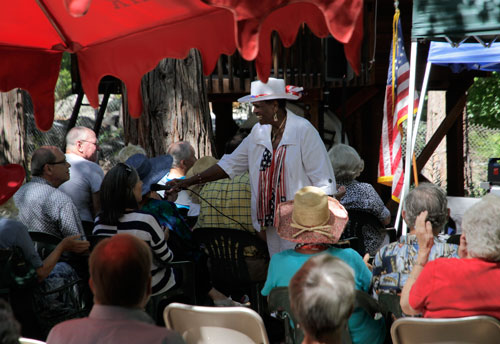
220,212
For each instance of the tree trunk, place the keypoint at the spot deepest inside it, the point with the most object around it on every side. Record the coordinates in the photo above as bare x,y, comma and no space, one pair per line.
175,108
12,124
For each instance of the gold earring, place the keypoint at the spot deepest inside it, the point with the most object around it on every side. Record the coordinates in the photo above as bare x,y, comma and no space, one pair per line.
275,116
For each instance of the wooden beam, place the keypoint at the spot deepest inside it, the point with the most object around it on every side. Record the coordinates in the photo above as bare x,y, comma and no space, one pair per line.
445,126
357,100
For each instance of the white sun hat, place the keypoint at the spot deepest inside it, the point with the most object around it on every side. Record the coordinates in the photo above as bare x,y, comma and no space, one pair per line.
273,89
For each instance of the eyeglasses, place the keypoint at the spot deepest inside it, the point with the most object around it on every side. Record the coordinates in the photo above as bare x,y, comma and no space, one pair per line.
58,162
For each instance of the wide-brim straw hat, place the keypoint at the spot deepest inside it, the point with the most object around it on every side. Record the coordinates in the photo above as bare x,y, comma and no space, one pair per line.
311,218
150,170
273,89
199,166
11,179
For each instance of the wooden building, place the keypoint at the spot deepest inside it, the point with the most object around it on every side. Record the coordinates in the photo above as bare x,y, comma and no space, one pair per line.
319,65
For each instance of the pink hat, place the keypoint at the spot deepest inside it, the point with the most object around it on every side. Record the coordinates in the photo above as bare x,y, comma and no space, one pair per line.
11,179
311,218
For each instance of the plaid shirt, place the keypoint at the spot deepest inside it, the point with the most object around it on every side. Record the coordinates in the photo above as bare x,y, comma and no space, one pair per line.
233,198
44,208
393,263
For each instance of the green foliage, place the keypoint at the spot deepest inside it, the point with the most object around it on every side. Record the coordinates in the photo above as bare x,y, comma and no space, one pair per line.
485,147
483,106
63,85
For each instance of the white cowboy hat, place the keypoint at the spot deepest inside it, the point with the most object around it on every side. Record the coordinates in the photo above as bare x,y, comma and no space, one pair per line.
273,89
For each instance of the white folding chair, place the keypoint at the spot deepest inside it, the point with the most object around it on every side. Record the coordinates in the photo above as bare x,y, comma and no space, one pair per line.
207,325
23,340
468,330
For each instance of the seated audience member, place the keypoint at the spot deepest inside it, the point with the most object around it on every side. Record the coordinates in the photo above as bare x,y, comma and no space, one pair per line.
150,171
14,233
180,239
86,175
42,206
232,197
458,287
347,166
184,158
121,193
10,330
120,279
314,221
129,150
393,263
322,298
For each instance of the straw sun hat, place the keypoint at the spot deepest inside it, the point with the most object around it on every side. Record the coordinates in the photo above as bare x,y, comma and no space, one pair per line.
311,218
273,89
199,166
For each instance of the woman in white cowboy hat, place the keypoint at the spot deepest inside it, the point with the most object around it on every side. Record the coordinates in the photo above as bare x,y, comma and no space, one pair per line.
314,221
282,154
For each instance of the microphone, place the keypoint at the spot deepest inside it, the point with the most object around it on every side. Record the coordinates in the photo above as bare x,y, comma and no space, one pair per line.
159,187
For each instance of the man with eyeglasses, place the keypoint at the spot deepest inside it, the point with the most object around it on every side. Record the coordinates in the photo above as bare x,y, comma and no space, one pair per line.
86,175
42,206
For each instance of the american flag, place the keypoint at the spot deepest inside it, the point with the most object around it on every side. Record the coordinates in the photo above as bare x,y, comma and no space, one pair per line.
396,102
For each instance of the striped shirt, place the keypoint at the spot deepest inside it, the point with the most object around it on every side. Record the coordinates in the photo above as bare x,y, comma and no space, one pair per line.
145,227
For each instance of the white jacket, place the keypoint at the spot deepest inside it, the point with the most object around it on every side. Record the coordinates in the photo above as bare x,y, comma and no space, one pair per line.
306,161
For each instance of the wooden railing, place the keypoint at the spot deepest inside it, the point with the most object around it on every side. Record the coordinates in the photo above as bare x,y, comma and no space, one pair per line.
311,62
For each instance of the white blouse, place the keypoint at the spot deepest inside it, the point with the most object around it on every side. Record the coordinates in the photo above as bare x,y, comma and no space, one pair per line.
306,160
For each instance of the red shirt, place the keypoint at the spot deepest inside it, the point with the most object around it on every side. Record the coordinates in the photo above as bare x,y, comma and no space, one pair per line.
453,288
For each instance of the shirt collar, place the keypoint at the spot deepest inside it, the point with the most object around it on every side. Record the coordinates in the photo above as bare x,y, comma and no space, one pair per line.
263,132
119,313
40,180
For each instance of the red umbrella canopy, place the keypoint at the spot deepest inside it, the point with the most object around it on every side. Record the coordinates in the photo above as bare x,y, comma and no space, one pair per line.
127,38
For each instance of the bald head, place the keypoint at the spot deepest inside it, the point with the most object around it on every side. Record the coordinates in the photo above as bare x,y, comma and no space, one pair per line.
183,154
120,271
82,141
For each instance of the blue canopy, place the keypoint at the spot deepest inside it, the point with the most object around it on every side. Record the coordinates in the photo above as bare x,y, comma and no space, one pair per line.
467,56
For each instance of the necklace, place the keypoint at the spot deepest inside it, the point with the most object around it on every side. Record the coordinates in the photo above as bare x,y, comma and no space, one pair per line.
273,137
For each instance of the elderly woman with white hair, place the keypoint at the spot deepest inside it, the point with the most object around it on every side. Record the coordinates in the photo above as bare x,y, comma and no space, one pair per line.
347,166
322,295
458,287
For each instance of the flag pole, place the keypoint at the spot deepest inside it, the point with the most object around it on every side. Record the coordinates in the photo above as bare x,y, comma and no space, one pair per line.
409,130
423,92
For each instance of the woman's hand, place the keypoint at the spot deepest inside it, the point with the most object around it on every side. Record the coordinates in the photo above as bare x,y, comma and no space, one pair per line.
366,259
425,237
176,185
340,192
462,249
166,231
74,245
154,195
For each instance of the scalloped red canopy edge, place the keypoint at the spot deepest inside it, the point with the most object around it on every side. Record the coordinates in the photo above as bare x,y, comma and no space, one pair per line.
213,32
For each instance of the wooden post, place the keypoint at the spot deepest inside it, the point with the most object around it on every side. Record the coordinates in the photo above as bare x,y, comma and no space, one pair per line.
12,122
225,127
455,151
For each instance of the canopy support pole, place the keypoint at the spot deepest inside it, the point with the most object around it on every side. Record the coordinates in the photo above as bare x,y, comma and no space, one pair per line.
409,134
